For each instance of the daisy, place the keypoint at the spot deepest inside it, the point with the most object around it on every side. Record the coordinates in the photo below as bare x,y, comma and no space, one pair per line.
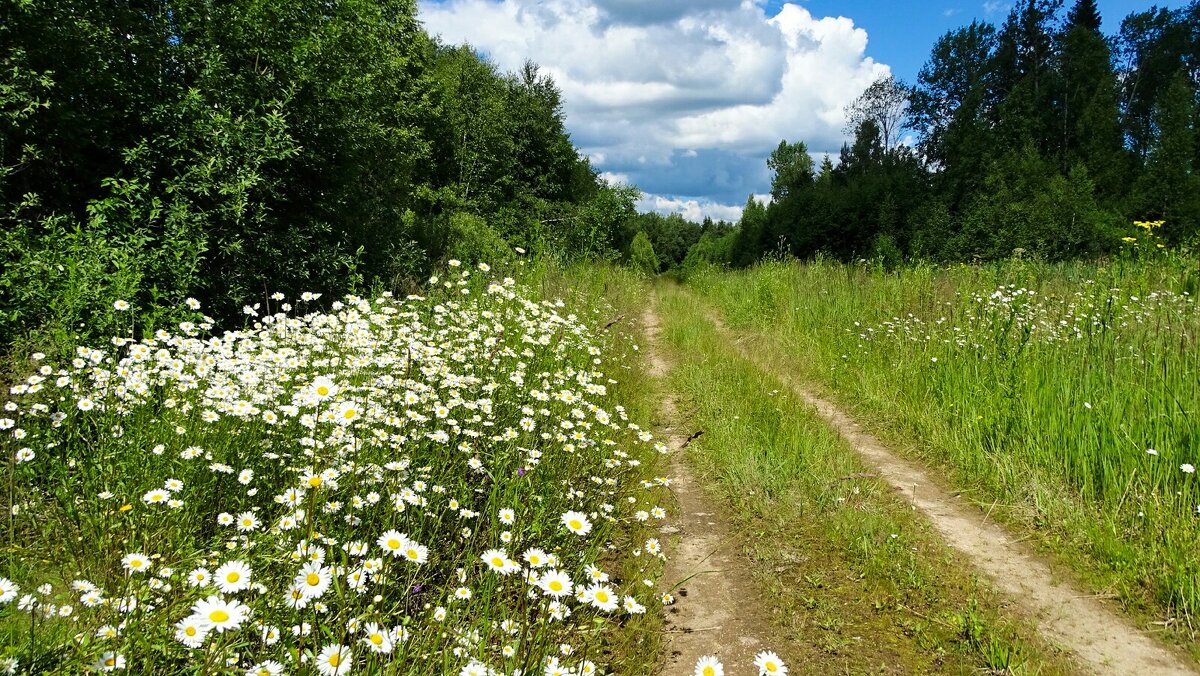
200,577
233,577
322,388
393,541
110,661
313,579
378,639
136,562
577,523
247,522
191,631
603,597
416,553
536,558
218,614
556,584
8,590
507,517
334,660
769,663
268,668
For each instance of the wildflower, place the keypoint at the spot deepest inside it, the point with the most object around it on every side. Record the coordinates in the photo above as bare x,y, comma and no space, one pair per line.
120,306
191,631
334,660
602,597
199,577
267,668
709,666
109,661
247,522
219,614
233,577
1188,468
8,590
323,388
577,523
313,579
769,663
555,583
378,639
507,517
136,562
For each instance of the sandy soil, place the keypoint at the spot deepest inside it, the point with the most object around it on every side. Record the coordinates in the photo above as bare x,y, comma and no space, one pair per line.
717,609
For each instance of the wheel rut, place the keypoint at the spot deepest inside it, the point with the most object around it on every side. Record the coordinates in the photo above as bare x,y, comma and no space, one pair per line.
718,610
1103,641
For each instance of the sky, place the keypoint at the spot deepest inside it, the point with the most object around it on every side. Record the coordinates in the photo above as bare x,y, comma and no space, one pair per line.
686,98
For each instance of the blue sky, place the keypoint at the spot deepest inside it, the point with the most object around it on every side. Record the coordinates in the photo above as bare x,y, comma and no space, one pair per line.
687,98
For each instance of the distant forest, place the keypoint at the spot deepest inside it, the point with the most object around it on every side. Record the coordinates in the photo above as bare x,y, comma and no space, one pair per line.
1041,137
155,150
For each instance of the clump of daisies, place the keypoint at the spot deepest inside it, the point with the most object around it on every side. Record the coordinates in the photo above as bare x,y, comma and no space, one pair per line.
431,480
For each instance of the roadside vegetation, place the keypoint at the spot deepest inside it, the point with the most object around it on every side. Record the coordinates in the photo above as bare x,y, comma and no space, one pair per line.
854,582
1060,398
443,482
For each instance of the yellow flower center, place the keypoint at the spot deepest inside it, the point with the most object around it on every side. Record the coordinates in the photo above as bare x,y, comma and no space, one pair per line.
313,579
233,576
555,585
709,671
190,631
335,659
110,662
315,481
602,597
323,391
497,562
771,667
575,524
218,616
393,544
376,639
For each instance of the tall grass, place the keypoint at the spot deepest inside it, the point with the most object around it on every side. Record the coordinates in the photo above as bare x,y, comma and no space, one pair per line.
1061,397
443,483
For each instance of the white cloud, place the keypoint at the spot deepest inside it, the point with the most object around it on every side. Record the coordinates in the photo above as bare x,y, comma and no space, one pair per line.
659,90
692,209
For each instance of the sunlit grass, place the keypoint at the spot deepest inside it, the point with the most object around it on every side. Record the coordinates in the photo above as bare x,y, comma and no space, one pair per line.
1064,398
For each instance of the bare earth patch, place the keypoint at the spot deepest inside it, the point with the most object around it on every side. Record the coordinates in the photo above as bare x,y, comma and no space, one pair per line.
717,609
1103,641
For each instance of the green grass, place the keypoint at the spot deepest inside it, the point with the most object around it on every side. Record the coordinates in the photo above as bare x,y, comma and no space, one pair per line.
855,582
1042,408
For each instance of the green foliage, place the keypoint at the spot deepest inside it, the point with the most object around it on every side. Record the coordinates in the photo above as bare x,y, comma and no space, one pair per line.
227,151
641,255
473,241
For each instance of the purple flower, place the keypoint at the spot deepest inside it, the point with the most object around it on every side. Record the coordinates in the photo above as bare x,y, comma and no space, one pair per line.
520,471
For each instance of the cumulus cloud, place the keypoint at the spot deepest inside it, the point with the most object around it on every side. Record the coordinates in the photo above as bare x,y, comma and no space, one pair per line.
692,209
685,98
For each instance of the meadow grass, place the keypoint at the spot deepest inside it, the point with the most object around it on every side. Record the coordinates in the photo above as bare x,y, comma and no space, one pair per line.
1061,398
445,483
854,581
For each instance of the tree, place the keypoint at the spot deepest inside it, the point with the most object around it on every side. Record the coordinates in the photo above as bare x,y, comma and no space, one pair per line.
948,109
884,103
792,167
641,255
1084,14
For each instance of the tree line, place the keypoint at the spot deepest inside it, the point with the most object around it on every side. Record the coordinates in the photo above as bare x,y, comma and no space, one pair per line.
155,150
1042,135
